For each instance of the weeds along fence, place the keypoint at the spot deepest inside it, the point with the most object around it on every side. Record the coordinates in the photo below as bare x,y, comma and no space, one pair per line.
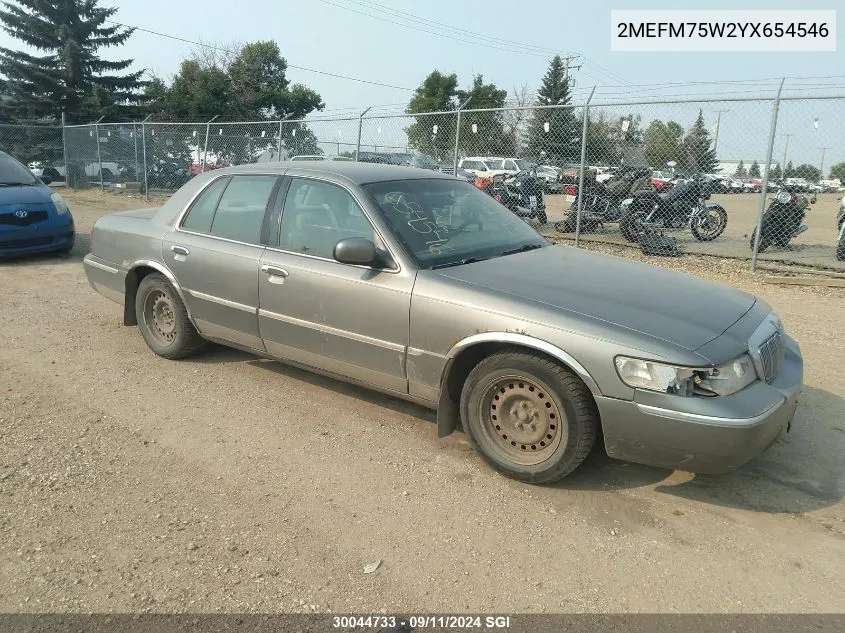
746,150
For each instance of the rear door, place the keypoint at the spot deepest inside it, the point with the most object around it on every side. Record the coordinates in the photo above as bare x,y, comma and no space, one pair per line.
215,252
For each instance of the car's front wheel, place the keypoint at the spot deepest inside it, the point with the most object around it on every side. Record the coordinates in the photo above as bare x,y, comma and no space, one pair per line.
163,319
529,418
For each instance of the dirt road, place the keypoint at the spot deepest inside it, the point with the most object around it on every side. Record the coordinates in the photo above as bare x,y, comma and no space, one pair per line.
228,483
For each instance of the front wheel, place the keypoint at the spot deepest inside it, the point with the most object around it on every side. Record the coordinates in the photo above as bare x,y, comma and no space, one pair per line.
709,224
528,417
163,319
631,224
765,241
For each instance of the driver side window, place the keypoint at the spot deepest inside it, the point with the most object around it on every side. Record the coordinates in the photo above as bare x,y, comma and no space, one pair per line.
317,215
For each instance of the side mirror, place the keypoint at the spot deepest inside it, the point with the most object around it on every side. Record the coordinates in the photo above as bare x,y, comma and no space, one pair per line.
46,180
355,250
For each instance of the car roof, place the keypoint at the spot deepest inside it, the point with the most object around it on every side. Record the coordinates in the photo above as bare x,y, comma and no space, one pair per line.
357,172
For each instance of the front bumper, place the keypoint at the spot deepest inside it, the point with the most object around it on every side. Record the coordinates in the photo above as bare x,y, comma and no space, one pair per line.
704,435
39,238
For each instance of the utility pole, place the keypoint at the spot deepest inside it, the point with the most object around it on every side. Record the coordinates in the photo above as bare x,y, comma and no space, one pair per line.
821,167
718,127
567,61
785,149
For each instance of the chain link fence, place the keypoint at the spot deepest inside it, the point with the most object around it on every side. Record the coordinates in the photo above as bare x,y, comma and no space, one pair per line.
695,176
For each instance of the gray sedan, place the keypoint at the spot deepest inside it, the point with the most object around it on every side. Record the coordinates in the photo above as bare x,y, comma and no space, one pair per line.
417,284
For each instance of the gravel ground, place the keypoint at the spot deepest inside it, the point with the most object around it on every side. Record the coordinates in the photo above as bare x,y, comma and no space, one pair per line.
227,483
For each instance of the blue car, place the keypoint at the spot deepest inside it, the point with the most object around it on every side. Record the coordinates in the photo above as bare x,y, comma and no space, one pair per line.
33,218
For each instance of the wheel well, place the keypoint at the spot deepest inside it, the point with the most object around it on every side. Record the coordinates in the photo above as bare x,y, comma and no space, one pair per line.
133,280
466,361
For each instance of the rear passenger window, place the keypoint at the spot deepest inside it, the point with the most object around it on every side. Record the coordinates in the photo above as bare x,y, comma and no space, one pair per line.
240,212
201,213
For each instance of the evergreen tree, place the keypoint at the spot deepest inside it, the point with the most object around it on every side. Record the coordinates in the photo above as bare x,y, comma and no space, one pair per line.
789,172
66,74
775,172
698,154
561,142
740,171
754,170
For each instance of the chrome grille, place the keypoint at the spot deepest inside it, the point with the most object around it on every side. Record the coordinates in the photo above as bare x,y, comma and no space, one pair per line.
771,355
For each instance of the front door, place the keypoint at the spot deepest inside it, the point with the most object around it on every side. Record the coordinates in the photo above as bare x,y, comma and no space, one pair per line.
215,255
350,320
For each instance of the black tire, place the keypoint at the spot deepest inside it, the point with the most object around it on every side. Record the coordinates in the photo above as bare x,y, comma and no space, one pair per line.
840,249
173,336
106,175
542,217
712,232
631,224
549,406
765,241
52,174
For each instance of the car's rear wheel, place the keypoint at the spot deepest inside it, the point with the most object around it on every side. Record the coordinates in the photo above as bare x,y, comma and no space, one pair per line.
840,248
163,319
529,418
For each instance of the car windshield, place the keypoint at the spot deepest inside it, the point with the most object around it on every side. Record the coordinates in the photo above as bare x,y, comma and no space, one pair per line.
524,165
450,222
14,173
495,164
426,162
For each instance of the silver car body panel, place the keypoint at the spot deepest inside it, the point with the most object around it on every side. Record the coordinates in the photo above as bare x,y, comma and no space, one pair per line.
400,331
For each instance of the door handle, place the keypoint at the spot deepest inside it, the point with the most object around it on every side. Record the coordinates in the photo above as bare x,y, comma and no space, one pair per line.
180,250
275,271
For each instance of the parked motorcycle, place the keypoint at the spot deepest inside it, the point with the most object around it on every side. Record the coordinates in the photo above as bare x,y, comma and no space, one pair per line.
602,200
685,205
522,193
784,219
840,222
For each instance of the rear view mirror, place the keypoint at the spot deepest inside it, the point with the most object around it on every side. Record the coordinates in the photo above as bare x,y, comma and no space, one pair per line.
356,251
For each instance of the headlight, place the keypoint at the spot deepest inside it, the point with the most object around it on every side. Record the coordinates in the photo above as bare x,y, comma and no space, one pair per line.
687,381
627,202
59,203
784,197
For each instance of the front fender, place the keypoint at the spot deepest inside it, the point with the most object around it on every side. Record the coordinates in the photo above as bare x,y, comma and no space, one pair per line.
448,412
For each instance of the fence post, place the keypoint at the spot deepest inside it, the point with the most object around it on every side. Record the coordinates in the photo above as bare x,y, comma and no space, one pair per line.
205,147
99,160
64,150
765,190
135,136
360,125
144,150
580,191
458,134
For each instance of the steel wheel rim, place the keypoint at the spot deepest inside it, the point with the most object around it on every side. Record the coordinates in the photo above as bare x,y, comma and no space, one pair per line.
521,421
160,317
710,219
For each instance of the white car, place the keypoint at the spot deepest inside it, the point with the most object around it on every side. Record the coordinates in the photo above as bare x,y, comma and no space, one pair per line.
483,166
319,157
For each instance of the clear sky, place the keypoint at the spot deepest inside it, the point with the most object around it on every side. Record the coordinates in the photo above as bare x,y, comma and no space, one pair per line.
515,44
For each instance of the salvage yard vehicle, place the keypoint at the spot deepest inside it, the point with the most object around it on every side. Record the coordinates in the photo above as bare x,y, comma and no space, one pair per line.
33,217
417,284
840,225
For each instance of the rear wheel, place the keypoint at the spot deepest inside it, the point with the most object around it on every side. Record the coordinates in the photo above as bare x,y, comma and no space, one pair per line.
840,248
52,174
528,417
163,319
710,224
765,241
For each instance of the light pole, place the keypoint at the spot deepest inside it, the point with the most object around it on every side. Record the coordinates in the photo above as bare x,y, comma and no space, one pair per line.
785,149
718,127
821,166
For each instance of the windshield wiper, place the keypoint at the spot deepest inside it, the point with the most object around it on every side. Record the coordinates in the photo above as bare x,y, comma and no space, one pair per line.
460,262
16,184
521,249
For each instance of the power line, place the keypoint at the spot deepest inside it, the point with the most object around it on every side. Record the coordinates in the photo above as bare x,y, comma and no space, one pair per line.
225,50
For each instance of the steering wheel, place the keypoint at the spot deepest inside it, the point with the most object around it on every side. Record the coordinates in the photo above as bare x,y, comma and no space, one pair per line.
463,226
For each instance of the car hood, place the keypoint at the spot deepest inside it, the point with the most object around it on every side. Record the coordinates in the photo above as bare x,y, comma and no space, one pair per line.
674,307
25,194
